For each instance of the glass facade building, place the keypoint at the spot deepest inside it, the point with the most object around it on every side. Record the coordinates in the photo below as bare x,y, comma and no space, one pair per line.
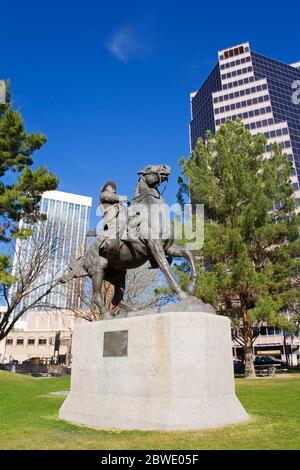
67,222
258,90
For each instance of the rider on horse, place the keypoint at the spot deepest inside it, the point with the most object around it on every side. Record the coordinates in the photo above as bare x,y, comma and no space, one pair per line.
115,250
114,217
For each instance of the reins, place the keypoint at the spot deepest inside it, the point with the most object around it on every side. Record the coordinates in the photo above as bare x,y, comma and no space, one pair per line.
147,194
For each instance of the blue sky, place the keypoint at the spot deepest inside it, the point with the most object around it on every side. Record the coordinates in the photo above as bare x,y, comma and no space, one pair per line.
109,82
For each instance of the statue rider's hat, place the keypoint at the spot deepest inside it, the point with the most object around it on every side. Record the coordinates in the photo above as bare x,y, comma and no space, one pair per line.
108,183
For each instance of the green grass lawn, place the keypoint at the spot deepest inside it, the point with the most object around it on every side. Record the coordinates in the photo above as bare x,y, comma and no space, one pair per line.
29,420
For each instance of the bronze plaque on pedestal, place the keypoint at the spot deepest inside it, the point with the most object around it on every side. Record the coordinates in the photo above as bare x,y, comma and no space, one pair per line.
115,343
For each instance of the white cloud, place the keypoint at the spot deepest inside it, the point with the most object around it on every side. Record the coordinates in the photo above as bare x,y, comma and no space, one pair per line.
125,44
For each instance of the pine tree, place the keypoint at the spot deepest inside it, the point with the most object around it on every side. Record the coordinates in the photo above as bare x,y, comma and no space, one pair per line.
21,187
251,240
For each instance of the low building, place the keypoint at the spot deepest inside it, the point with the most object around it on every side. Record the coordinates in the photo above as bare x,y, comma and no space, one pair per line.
40,346
47,338
273,341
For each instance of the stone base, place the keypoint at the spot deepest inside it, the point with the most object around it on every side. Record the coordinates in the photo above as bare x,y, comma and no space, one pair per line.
175,373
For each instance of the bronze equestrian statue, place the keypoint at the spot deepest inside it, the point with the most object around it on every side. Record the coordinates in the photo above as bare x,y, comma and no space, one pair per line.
138,239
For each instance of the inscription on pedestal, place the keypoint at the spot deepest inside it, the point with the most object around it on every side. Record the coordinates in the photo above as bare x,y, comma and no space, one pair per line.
115,343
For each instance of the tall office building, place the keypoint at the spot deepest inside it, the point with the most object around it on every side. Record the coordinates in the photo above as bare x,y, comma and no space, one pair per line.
259,90
67,222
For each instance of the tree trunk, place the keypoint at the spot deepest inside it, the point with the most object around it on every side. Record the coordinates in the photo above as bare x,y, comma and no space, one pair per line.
249,358
248,348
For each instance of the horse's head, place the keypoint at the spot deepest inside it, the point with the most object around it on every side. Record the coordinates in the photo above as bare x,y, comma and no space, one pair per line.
154,175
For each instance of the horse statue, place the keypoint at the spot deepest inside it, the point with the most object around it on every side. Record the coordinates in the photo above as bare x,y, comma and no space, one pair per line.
153,242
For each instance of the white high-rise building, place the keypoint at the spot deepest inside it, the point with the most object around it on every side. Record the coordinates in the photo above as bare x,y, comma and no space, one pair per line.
258,90
68,221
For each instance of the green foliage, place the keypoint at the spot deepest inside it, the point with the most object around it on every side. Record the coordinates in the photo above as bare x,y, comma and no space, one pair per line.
251,229
21,187
5,265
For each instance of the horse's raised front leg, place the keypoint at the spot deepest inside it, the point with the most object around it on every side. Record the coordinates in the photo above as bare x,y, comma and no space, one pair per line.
97,280
158,254
177,252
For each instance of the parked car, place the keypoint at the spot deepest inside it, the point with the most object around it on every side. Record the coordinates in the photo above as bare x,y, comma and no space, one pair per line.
268,361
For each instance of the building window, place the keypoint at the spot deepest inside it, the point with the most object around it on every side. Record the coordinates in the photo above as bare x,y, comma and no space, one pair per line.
42,341
31,341
234,52
20,341
9,341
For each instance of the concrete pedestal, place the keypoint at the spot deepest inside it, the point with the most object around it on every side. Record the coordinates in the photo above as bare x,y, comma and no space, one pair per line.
164,371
